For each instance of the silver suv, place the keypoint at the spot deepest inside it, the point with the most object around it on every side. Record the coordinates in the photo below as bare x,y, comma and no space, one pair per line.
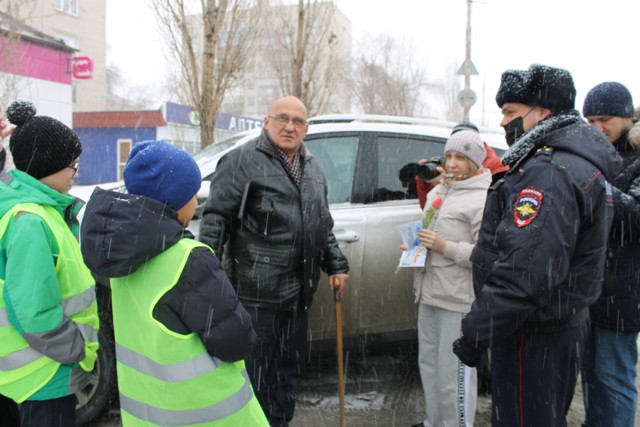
369,162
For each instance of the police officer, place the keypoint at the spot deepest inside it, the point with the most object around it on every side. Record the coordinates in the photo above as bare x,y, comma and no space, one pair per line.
539,260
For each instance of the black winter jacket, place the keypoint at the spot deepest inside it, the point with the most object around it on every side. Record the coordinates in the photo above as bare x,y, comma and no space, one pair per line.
120,232
277,236
539,259
618,308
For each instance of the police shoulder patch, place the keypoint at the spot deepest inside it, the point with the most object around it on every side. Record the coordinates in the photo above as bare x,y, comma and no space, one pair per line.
527,206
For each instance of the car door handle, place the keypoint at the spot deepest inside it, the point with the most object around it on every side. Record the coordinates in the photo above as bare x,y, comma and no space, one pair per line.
346,236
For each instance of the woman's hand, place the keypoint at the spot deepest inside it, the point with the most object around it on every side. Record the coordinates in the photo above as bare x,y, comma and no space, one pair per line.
432,240
438,179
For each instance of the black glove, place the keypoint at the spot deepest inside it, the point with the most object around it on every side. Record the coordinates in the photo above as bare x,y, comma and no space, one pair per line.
469,353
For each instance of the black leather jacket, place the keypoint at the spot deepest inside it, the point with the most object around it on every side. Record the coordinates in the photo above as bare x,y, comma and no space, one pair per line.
540,256
275,237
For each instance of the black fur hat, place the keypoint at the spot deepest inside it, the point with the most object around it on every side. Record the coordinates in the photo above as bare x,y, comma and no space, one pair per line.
539,86
40,145
513,87
550,88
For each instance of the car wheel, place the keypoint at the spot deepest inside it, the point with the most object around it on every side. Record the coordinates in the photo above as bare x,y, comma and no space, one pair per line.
95,399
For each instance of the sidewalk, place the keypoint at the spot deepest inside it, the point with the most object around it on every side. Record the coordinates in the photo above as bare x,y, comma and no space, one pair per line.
381,391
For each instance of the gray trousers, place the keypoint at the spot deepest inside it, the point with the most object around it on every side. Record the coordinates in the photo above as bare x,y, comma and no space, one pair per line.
450,387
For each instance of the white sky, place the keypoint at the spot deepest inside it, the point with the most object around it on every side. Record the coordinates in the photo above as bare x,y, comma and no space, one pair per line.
592,39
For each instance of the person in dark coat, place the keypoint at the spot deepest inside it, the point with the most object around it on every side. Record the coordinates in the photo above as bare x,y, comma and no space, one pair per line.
539,260
268,205
128,238
611,353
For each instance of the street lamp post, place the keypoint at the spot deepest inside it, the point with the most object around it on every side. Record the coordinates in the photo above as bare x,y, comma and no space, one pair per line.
467,65
467,97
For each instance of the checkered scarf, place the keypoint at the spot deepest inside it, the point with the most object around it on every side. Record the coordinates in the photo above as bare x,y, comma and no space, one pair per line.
293,168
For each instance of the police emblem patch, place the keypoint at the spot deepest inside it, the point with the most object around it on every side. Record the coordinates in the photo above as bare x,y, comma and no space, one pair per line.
527,206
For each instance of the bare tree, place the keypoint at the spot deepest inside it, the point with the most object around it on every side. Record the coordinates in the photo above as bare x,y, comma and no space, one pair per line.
123,96
388,80
310,52
13,14
210,45
450,90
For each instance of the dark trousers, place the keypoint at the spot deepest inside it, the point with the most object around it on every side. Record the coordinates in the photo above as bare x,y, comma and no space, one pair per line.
277,363
9,414
49,413
533,376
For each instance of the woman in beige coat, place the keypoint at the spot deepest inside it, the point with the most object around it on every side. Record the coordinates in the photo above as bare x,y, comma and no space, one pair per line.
444,287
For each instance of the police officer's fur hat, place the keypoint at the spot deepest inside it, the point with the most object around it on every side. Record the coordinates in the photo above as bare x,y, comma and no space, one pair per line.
539,86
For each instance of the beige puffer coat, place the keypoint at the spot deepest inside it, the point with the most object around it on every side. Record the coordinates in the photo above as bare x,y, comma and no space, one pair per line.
446,280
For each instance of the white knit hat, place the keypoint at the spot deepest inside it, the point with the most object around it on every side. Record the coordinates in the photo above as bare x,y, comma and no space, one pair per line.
468,143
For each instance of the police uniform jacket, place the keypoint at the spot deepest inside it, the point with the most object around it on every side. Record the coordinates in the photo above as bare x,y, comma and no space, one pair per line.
540,256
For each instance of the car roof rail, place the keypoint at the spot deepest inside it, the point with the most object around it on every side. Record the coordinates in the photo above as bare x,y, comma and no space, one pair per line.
379,118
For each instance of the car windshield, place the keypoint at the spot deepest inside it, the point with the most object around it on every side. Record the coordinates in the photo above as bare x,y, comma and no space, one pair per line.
216,148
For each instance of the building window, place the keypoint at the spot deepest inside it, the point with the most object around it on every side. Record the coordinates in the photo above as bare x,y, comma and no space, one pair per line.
124,148
68,6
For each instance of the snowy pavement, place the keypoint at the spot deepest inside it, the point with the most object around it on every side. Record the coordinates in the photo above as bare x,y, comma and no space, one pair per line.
382,390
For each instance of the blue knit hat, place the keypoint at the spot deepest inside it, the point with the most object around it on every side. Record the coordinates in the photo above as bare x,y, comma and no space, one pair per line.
163,172
608,99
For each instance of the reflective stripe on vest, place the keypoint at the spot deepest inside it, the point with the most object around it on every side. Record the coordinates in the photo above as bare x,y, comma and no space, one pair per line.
23,370
215,412
166,378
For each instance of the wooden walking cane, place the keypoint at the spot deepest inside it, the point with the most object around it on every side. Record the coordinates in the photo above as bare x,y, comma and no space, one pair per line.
338,300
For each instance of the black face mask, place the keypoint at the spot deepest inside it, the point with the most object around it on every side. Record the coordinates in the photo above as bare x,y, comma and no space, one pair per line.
514,130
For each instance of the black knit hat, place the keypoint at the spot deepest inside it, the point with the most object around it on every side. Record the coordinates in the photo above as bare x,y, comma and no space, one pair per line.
40,145
513,88
551,88
608,99
465,126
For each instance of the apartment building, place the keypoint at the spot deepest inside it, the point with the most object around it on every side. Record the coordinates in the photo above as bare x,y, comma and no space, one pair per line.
328,54
81,25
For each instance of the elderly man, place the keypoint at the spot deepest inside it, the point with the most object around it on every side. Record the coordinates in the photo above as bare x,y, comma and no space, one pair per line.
268,204
539,260
611,353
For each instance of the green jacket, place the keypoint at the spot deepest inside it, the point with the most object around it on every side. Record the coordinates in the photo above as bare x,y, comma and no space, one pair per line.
166,378
48,313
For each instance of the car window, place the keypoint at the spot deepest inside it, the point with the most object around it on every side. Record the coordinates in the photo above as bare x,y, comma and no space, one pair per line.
336,154
397,161
212,150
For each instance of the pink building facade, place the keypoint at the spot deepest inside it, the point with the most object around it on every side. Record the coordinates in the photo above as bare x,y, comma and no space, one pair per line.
38,68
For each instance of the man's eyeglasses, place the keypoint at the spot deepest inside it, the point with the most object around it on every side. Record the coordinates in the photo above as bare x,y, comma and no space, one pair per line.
283,120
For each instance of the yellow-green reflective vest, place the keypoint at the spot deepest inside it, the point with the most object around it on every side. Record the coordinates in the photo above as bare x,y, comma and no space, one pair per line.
23,370
166,378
